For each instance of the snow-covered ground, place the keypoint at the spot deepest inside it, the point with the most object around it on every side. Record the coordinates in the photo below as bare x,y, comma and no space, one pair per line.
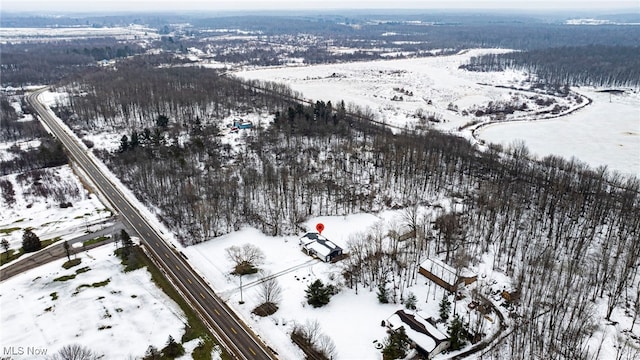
13,35
601,133
119,319
434,81
606,133
352,321
44,215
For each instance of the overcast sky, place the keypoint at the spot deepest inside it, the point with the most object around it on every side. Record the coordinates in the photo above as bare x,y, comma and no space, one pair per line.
217,5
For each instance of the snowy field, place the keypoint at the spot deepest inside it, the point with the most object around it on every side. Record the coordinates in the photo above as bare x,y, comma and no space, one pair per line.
132,32
607,133
601,133
352,321
434,81
113,313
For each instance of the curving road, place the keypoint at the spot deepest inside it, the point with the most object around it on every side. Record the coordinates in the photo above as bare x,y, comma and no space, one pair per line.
231,332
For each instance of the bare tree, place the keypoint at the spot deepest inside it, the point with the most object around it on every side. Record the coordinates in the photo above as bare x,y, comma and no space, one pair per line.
326,346
74,352
246,258
270,290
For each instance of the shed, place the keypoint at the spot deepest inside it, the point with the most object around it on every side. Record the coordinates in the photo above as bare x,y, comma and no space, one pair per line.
316,245
444,275
242,124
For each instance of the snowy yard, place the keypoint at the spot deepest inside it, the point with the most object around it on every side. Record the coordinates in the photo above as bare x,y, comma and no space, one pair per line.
352,321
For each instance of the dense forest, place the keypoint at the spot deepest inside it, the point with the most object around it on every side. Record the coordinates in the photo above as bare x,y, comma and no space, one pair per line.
566,234
46,63
595,65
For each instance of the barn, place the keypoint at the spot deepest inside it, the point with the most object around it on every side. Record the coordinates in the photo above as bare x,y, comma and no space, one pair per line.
444,275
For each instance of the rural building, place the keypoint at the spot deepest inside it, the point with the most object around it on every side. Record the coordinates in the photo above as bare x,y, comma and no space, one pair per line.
316,245
426,337
242,124
444,275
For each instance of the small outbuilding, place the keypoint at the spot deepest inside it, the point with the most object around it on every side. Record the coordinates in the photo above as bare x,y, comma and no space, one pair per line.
242,124
444,275
427,338
316,245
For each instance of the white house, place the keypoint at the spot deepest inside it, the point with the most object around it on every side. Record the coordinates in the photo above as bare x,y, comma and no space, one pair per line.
319,246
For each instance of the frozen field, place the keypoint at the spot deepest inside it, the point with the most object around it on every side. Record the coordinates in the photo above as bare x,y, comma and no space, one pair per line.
16,35
601,133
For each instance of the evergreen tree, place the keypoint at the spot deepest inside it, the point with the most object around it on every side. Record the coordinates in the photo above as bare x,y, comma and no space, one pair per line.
173,349
396,345
66,249
152,353
30,241
135,141
127,255
318,294
162,121
124,143
445,308
126,242
383,293
456,333
411,301
5,246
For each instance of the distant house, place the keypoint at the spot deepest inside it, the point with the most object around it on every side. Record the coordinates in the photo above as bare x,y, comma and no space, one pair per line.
316,245
242,124
426,337
444,275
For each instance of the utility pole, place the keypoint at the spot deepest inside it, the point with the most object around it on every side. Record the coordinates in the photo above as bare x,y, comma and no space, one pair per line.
241,301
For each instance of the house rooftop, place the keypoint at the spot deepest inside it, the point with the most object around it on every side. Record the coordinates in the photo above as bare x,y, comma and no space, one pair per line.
319,243
419,330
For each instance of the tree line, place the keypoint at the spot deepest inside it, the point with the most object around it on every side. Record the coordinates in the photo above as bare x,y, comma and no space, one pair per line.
593,65
49,62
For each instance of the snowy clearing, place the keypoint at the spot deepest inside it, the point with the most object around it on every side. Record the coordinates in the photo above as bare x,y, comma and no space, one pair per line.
132,32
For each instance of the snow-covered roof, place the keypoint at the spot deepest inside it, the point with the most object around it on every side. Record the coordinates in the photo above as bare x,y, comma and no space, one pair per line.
441,270
320,244
419,330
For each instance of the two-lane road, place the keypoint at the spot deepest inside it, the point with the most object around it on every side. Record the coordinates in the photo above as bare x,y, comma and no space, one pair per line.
237,338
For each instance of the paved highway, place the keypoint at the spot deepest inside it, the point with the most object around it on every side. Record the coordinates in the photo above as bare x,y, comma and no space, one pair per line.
232,333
